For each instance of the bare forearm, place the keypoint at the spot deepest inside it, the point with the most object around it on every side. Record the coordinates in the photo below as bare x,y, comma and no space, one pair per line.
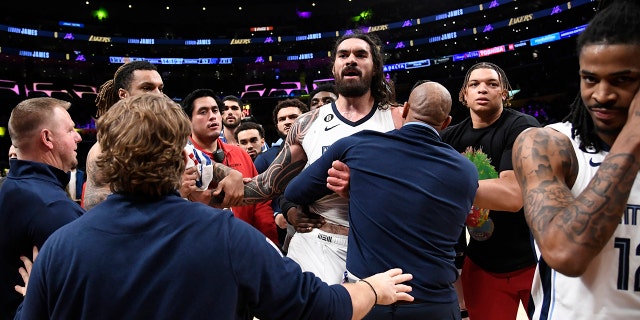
287,164
362,299
604,201
220,171
503,193
262,188
570,237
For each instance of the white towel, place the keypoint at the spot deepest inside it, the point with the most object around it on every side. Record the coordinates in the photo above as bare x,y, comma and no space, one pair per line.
203,164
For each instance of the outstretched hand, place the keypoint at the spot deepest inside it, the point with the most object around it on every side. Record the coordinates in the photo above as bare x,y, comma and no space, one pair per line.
389,286
380,289
338,179
25,272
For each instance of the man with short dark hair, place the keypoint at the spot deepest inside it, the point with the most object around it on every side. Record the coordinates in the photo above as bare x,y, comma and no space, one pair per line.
323,94
284,115
250,137
202,107
231,112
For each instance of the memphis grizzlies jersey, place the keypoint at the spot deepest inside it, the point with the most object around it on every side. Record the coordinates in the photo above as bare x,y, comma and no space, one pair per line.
610,287
328,127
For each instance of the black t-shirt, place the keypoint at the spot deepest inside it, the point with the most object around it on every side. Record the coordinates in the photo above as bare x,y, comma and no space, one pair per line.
510,247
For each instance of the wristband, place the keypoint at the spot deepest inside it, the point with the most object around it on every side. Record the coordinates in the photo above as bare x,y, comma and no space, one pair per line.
372,289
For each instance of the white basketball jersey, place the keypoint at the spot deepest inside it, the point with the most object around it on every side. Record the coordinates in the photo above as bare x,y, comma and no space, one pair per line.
610,287
328,127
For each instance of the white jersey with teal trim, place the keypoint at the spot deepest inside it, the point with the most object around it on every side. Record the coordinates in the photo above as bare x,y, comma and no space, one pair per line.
329,127
610,287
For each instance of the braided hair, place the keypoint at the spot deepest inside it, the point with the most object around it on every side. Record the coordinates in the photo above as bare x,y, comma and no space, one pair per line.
108,92
618,22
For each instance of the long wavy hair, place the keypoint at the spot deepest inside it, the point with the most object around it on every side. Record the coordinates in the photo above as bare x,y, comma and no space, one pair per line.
142,139
380,88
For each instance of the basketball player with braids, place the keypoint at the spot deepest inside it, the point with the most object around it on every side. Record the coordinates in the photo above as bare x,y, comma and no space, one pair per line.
500,262
132,79
580,184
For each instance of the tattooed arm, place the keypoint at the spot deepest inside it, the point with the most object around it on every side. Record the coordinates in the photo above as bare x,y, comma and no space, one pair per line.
570,231
287,164
228,192
95,190
232,185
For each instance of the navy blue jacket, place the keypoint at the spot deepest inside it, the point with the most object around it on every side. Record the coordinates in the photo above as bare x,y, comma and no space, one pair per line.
265,158
409,196
33,204
133,258
80,179
262,163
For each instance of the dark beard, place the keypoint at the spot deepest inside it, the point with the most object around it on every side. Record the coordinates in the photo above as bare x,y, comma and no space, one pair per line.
351,90
231,126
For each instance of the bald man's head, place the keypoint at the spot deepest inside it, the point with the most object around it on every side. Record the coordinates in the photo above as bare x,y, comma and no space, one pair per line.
430,103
